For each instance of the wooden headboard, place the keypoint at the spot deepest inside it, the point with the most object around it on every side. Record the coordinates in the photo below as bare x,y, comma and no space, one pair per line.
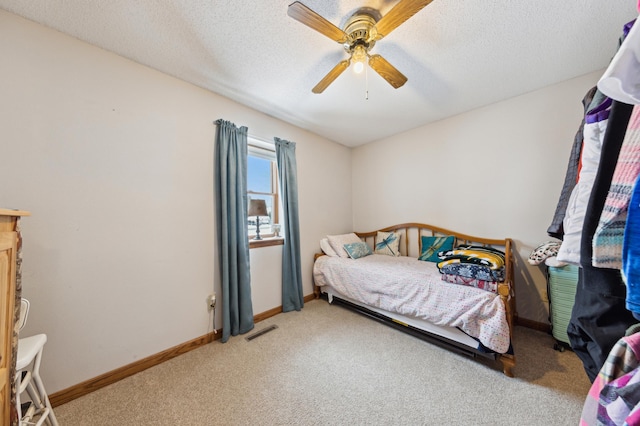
411,243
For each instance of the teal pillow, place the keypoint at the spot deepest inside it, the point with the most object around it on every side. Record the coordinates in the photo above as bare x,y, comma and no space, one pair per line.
358,250
431,246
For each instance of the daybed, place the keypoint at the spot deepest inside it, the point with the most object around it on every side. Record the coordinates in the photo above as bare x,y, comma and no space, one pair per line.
403,285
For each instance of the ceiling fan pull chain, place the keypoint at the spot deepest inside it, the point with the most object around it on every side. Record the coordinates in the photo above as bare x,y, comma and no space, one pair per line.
366,83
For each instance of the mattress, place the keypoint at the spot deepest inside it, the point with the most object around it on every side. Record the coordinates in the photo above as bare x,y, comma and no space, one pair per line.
414,289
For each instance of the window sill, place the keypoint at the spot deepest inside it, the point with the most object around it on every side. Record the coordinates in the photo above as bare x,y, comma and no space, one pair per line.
266,242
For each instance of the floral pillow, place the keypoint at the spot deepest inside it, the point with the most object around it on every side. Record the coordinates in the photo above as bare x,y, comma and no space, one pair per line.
388,243
431,246
358,250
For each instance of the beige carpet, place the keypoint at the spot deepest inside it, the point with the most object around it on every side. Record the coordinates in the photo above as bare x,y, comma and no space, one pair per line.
326,365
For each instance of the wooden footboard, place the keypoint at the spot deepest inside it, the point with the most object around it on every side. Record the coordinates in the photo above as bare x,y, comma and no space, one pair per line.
411,245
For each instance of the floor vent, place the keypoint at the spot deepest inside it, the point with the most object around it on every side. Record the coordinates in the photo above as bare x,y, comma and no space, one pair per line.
261,332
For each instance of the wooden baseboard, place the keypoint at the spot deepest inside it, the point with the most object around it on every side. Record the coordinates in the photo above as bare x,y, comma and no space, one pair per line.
540,326
88,386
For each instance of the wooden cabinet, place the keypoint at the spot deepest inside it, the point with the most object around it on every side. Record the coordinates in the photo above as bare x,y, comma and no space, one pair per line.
10,293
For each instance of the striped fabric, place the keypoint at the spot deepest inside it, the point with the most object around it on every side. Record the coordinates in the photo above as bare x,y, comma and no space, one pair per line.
623,359
609,235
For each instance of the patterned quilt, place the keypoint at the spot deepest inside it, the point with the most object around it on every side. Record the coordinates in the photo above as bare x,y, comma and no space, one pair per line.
414,288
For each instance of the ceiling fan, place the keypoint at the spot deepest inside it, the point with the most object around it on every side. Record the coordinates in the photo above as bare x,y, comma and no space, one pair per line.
361,32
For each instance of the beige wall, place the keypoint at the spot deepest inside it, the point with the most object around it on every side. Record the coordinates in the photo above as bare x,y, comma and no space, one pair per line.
114,160
493,172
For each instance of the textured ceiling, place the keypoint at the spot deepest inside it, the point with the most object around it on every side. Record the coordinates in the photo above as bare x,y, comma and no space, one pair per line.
457,55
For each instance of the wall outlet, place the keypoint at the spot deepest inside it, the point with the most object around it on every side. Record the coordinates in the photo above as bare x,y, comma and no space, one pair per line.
211,301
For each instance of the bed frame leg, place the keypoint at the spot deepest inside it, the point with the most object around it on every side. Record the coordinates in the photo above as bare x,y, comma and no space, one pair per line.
508,362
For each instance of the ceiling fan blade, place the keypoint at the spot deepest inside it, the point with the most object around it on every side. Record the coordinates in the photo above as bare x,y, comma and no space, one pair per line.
302,13
333,74
402,11
387,71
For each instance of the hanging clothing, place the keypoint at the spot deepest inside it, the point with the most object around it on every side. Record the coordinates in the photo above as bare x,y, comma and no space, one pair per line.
608,237
556,229
631,253
599,317
595,127
621,80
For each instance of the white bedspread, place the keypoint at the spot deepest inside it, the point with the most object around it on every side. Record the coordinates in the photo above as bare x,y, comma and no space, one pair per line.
414,288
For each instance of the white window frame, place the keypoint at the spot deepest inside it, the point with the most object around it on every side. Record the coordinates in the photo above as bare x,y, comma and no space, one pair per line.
267,151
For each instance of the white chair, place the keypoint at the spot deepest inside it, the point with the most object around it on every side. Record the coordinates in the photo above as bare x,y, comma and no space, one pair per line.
24,313
28,377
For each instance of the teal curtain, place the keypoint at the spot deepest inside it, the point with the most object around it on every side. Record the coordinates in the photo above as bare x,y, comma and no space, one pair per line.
292,297
232,231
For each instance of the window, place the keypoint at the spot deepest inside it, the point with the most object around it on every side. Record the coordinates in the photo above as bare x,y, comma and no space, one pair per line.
262,184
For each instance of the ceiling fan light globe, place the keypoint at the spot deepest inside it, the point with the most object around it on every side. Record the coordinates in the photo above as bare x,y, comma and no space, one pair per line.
358,67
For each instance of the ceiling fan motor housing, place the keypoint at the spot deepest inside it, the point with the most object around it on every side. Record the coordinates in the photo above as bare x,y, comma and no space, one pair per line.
358,29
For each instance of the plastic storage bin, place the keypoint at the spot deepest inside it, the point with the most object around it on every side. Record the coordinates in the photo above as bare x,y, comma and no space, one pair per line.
562,282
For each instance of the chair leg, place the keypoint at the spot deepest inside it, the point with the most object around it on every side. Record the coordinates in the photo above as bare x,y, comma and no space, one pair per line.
41,406
39,387
34,395
18,402
48,409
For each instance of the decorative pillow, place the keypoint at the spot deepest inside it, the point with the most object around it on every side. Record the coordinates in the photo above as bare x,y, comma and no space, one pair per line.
358,250
431,246
327,249
337,242
491,286
469,270
388,243
544,251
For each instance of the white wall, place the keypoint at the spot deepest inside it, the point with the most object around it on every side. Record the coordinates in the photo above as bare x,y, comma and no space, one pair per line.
494,172
114,161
